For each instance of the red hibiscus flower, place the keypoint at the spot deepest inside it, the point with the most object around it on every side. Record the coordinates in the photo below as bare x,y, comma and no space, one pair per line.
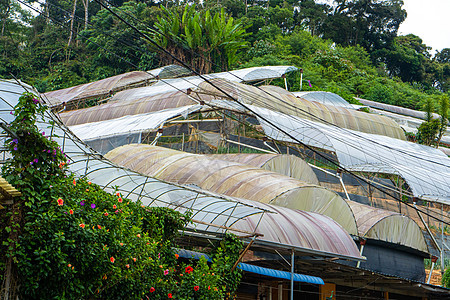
112,259
196,288
60,201
189,269
152,289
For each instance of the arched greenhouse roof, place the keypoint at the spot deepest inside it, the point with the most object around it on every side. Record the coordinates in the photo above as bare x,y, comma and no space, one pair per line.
288,165
425,169
234,179
97,88
170,82
326,98
380,224
277,99
295,227
170,71
120,107
396,109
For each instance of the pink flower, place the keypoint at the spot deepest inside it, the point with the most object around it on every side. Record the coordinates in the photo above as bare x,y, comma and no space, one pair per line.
120,200
114,206
60,202
106,214
166,271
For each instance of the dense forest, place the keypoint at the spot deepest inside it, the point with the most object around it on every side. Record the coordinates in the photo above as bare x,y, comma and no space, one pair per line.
350,47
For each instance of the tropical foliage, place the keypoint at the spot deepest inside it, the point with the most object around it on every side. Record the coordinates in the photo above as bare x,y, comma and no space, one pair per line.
349,47
204,41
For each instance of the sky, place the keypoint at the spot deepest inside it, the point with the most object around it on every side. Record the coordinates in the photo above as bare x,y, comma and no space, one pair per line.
430,20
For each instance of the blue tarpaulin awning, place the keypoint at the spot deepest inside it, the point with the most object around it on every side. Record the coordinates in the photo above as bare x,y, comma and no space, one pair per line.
257,269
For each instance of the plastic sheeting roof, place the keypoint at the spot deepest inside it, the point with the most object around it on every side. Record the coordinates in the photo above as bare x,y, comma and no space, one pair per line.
255,73
116,109
234,179
170,71
130,124
380,224
277,99
116,83
288,165
425,169
214,210
211,173
96,88
326,98
396,109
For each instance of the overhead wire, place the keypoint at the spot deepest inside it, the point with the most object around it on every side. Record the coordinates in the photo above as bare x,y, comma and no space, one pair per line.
285,103
205,79
266,102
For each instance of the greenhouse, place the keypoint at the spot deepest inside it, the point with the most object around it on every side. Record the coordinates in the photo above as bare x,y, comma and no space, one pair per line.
277,99
163,80
326,98
234,179
120,106
100,88
288,165
384,225
425,169
239,180
212,213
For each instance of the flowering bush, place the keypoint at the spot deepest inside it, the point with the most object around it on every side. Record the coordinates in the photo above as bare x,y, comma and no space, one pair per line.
69,239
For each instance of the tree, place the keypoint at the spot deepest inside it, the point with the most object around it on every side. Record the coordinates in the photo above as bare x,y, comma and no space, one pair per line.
406,58
370,23
205,42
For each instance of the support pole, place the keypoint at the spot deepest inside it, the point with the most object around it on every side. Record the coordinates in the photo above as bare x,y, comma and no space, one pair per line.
292,275
301,79
433,261
362,242
280,290
285,82
442,239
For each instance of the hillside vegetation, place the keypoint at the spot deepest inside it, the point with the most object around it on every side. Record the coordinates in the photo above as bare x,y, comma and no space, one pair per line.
350,47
